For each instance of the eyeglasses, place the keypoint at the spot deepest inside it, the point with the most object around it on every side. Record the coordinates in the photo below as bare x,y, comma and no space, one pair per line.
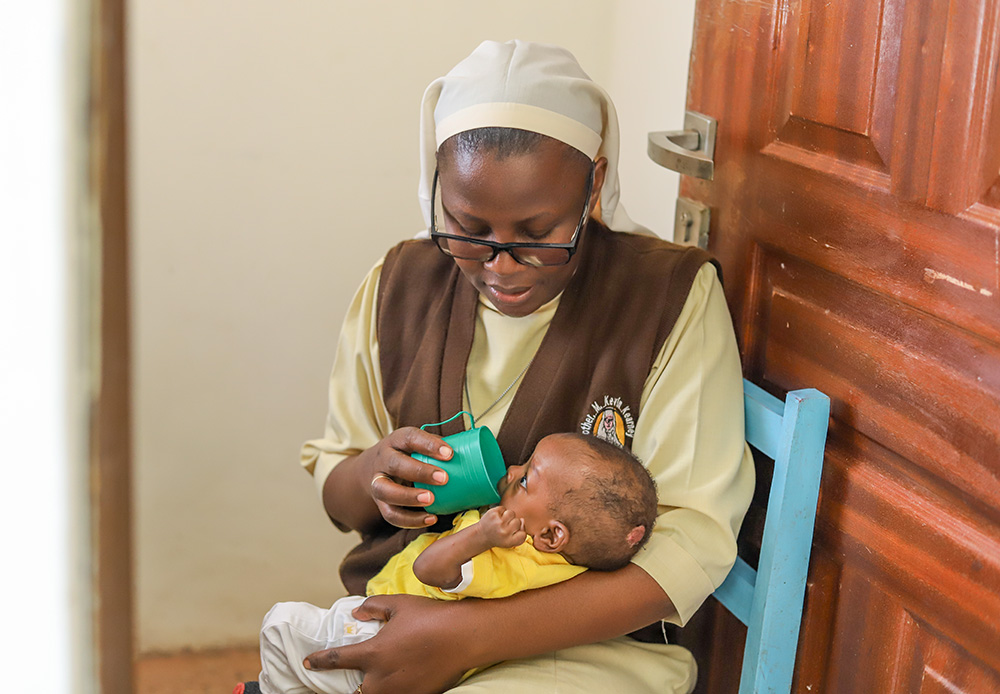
533,254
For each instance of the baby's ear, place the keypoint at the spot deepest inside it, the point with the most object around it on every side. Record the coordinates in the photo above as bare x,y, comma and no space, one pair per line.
553,537
635,535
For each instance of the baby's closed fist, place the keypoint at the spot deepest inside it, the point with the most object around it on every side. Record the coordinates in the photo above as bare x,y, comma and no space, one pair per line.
502,527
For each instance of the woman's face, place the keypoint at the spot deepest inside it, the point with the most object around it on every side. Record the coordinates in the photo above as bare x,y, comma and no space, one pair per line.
536,197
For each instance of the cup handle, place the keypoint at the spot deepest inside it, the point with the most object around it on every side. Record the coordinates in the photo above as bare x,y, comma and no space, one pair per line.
456,416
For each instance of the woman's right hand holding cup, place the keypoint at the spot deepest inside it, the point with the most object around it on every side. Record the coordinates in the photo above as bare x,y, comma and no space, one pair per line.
392,471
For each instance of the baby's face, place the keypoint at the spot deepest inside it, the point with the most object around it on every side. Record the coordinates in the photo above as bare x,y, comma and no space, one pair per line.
528,489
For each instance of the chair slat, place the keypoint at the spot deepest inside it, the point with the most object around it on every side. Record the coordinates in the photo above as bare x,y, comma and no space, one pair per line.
776,615
763,414
736,592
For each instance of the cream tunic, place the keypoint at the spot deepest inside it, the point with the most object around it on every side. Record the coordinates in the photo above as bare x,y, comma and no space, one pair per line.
689,432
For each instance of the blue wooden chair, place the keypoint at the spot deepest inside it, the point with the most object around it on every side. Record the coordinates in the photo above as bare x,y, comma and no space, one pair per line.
769,600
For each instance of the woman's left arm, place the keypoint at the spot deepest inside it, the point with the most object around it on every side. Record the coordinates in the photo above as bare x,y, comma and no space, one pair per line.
427,645
690,433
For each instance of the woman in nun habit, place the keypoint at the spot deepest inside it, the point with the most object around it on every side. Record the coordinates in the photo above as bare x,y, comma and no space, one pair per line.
536,304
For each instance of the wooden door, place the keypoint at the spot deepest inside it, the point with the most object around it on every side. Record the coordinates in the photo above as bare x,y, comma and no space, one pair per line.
855,209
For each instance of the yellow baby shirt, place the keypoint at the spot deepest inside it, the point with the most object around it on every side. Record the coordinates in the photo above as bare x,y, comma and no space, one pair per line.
496,573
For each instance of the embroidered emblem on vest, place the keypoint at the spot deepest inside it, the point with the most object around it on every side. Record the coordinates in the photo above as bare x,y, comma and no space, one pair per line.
611,420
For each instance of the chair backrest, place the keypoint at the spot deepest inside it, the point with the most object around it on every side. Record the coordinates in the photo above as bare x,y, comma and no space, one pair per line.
769,600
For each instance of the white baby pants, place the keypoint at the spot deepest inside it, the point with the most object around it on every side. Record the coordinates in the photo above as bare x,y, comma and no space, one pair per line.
293,630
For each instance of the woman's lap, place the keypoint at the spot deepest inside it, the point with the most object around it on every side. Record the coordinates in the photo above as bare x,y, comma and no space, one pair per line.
619,665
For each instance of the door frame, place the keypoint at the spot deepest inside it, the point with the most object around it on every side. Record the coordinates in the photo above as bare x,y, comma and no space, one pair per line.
110,422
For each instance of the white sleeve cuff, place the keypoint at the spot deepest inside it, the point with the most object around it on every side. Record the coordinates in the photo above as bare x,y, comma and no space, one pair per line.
466,579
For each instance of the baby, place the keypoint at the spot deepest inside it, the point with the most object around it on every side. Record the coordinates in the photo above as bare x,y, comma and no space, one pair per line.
578,503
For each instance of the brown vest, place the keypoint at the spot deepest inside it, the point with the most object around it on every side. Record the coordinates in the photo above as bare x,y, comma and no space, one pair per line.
590,369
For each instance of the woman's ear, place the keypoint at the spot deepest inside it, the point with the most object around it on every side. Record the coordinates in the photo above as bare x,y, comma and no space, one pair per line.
553,537
600,171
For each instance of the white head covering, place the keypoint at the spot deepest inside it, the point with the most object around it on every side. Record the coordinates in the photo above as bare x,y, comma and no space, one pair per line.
529,86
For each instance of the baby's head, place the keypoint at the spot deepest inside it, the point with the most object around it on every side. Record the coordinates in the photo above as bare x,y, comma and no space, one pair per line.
583,497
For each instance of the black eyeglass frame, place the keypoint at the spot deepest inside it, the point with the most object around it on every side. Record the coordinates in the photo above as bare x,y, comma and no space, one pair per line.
498,248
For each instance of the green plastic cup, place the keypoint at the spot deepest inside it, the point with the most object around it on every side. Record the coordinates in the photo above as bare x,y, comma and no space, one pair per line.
475,469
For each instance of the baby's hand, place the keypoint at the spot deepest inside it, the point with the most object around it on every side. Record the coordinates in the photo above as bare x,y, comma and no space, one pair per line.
502,528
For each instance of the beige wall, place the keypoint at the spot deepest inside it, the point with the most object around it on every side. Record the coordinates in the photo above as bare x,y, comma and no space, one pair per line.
273,159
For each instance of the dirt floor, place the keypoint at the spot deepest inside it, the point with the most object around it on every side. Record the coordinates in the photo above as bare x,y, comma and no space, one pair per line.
204,672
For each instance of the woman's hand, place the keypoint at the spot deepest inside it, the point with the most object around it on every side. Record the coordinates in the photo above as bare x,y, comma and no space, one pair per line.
375,487
417,651
402,505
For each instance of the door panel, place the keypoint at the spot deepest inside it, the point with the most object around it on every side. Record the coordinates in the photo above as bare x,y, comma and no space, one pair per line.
893,372
855,210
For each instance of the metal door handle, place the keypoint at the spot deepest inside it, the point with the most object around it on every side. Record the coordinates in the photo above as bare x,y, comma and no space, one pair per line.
689,151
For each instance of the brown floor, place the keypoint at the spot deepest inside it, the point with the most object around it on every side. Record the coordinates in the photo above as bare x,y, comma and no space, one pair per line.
203,672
